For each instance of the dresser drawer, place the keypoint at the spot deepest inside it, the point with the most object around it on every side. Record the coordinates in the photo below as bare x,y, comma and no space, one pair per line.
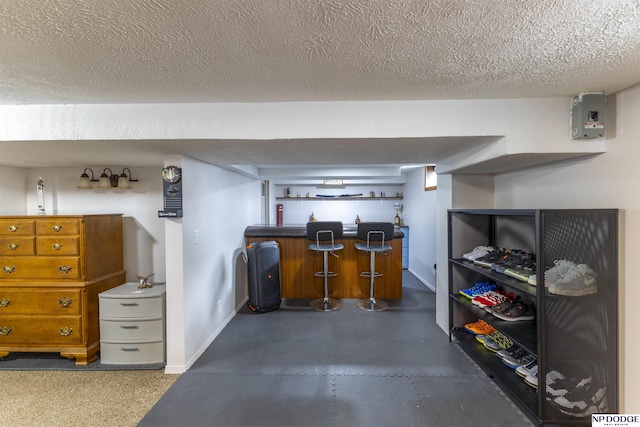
17,227
17,245
132,330
45,330
131,308
113,353
58,245
58,227
31,267
40,301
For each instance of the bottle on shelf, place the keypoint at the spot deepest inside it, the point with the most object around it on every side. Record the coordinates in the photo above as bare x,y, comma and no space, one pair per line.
396,221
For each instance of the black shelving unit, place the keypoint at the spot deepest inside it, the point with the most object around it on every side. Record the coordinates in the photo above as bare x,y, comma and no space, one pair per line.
569,332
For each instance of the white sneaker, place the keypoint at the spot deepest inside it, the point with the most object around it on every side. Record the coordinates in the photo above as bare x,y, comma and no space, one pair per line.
579,280
532,380
477,252
527,370
555,273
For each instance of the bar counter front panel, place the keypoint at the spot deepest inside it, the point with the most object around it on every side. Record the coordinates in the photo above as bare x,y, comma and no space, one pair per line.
298,264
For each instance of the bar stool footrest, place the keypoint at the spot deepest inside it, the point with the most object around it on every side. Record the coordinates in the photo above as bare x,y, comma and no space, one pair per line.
321,274
368,274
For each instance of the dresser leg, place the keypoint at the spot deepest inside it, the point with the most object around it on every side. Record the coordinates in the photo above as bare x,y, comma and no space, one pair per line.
3,354
82,358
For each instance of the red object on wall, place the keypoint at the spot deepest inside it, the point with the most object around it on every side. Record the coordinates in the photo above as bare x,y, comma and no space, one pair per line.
280,213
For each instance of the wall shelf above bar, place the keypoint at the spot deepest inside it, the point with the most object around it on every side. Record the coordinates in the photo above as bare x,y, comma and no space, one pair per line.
340,198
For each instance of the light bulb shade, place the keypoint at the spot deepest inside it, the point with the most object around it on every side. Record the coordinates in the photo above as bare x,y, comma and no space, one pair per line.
104,182
123,182
85,182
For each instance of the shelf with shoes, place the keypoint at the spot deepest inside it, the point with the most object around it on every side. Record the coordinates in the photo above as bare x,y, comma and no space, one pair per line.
512,384
489,274
571,257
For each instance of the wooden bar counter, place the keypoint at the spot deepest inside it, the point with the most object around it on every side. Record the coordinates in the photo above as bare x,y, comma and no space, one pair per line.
298,264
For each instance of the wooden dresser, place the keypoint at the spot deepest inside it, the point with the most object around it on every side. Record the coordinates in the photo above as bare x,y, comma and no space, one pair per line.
52,269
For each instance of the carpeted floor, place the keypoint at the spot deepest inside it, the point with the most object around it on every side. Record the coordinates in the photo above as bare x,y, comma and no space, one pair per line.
47,398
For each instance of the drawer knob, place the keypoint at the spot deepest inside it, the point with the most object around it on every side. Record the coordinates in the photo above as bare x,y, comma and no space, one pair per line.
56,246
56,227
64,269
65,302
128,304
66,331
13,228
4,302
13,246
129,326
129,349
8,268
5,330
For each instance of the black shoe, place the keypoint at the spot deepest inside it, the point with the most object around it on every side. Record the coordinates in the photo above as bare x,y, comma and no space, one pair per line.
584,400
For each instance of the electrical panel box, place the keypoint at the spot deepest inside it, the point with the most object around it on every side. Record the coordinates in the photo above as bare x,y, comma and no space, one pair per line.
588,115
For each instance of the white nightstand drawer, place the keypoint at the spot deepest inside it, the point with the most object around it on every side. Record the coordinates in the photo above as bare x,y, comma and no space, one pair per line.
132,330
131,308
113,353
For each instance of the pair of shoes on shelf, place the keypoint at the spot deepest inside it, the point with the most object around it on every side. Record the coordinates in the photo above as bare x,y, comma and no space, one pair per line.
477,252
513,259
576,397
491,298
513,310
523,273
570,279
495,341
487,260
529,370
478,289
479,328
515,358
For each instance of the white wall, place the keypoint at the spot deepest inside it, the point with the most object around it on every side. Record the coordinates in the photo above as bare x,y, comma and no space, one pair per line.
610,180
13,191
218,205
455,192
420,215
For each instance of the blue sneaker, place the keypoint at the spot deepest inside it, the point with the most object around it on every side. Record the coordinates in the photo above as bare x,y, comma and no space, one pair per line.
478,289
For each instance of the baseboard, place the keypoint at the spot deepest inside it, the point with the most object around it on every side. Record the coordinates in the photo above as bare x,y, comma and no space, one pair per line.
181,369
422,280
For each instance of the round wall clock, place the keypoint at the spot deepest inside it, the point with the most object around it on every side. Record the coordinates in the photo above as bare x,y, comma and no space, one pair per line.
172,174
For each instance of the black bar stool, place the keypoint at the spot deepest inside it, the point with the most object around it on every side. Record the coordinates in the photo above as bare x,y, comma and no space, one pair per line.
372,238
325,234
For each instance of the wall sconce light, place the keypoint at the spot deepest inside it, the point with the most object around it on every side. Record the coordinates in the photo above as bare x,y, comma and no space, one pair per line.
107,179
85,181
124,180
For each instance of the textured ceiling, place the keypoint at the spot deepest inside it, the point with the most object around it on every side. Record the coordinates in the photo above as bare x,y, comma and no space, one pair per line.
123,51
170,51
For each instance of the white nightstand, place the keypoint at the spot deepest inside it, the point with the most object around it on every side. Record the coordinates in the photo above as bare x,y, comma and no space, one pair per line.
132,325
